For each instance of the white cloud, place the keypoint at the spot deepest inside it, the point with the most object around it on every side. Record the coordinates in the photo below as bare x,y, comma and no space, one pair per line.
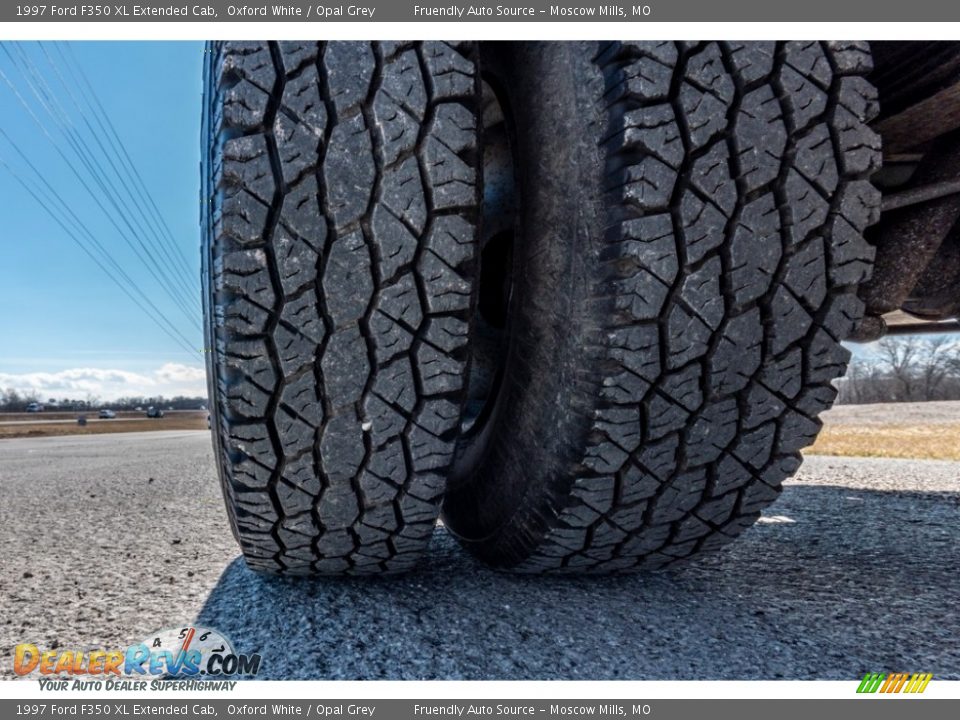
169,380
179,373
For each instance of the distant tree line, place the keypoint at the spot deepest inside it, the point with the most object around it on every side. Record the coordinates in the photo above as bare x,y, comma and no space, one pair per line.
905,369
12,400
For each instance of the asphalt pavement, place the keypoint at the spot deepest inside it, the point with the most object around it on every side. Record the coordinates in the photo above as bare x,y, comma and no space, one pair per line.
109,537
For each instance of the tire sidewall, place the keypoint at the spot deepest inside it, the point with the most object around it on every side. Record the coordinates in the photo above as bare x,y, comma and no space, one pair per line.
504,506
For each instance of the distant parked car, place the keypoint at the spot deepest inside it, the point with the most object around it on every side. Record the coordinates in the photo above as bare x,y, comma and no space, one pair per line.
154,412
34,407
107,414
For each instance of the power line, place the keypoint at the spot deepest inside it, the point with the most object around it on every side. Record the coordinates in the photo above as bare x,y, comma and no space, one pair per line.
76,69
64,207
134,186
102,178
156,314
156,271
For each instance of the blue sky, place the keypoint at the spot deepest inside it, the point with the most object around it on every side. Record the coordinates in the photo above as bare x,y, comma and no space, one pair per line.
68,329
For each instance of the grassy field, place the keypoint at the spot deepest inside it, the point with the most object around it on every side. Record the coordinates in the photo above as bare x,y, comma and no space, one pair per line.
939,441
921,431
14,425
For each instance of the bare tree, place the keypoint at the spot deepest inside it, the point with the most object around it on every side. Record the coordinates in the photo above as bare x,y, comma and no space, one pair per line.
897,358
934,366
904,369
856,386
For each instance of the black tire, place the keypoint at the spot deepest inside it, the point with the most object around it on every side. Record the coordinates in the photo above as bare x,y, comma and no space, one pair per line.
341,188
689,247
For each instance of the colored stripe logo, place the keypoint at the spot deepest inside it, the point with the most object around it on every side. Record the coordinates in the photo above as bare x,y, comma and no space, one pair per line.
894,683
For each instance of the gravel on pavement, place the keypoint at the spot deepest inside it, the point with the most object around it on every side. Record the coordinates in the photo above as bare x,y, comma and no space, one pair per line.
854,569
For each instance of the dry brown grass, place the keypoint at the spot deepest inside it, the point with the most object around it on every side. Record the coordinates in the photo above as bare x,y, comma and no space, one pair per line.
918,441
172,421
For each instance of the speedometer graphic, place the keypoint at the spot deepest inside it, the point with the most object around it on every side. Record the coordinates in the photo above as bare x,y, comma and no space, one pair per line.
185,650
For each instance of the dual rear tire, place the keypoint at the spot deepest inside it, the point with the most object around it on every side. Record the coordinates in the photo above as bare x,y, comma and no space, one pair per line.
679,264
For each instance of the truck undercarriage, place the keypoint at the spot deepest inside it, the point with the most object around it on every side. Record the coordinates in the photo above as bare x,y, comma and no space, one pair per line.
915,285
